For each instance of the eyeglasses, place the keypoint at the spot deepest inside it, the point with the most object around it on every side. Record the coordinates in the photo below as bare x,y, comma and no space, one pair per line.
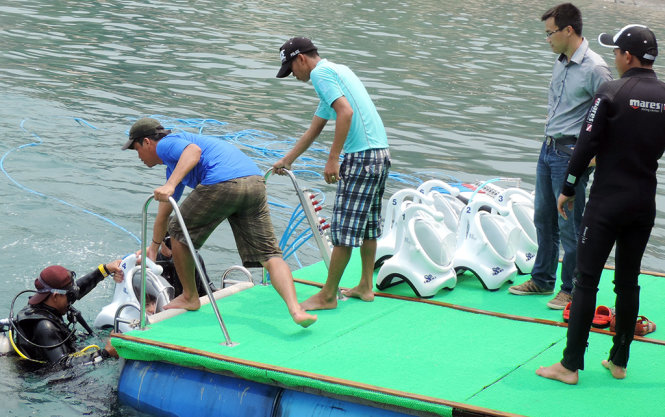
548,34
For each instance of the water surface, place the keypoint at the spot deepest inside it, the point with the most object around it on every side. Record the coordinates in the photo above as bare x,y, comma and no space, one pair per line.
461,87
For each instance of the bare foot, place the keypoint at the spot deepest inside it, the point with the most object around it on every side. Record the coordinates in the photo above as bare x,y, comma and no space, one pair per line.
181,302
617,371
303,318
356,292
319,302
558,372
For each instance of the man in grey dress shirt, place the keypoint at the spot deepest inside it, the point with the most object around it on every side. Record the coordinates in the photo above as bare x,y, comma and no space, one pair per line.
577,74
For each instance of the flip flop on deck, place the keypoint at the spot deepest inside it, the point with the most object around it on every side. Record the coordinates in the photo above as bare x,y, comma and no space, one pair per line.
603,317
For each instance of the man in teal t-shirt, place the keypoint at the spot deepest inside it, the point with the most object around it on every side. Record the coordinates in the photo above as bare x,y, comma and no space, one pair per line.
360,179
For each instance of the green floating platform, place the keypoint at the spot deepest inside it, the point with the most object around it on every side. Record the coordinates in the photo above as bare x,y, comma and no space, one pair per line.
452,353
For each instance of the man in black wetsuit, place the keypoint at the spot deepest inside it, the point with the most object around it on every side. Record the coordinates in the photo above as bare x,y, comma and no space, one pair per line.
41,333
625,130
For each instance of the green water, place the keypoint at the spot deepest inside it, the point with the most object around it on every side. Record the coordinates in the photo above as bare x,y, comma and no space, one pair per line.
461,87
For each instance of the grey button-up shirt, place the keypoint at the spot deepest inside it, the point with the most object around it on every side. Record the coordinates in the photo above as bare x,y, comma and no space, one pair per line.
573,85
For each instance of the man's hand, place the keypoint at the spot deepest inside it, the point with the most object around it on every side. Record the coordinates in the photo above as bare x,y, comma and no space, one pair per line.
331,171
115,270
563,203
165,251
279,166
152,254
110,349
164,192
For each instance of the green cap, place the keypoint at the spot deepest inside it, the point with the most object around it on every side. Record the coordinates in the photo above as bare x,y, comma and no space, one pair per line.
142,128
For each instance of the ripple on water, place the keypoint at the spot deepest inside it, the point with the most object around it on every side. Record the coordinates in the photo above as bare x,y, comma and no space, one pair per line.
461,87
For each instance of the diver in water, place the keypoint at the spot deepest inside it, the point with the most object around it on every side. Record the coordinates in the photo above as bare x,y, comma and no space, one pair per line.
40,333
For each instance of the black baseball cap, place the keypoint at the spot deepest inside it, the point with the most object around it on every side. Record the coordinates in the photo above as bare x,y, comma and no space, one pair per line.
292,48
639,40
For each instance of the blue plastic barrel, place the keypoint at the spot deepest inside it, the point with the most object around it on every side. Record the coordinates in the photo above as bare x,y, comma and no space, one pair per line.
295,403
164,389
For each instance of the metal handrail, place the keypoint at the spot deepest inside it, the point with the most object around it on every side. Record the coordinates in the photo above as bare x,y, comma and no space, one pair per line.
235,268
117,319
323,246
144,234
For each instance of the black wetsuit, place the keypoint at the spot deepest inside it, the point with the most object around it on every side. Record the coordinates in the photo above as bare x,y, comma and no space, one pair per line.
44,326
625,130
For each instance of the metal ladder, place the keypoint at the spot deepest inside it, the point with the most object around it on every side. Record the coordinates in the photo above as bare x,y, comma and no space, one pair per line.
310,209
144,234
318,231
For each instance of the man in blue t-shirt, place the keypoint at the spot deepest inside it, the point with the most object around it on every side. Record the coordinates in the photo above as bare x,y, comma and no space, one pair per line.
227,185
360,179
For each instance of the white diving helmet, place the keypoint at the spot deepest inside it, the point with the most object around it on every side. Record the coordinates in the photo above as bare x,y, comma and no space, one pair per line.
126,304
519,204
423,258
486,243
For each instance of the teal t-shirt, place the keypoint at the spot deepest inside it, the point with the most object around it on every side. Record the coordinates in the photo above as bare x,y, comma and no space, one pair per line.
332,81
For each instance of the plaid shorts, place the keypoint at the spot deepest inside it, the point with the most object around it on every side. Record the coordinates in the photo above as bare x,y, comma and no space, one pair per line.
357,209
244,203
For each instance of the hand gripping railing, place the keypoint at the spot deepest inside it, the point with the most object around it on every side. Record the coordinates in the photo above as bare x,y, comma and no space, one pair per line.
144,234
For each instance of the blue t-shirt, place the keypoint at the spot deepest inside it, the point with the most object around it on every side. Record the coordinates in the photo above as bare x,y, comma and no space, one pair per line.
220,161
332,81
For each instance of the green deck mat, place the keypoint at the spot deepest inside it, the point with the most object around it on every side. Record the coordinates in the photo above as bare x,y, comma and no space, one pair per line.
410,347
597,393
470,293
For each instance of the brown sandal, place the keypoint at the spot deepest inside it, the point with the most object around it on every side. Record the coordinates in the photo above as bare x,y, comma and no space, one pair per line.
642,327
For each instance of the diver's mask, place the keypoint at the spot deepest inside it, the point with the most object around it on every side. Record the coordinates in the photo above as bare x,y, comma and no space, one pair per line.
72,290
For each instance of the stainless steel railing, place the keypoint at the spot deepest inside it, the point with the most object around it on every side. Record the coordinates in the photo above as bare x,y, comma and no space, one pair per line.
322,241
144,234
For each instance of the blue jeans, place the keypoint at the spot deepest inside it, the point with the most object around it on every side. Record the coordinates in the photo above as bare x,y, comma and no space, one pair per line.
552,228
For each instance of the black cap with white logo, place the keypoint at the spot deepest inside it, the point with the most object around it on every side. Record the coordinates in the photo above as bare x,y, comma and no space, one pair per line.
292,48
639,40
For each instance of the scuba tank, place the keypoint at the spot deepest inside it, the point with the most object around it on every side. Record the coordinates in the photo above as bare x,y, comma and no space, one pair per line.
22,344
5,346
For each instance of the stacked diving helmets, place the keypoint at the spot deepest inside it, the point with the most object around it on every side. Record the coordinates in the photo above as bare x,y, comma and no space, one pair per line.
434,233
